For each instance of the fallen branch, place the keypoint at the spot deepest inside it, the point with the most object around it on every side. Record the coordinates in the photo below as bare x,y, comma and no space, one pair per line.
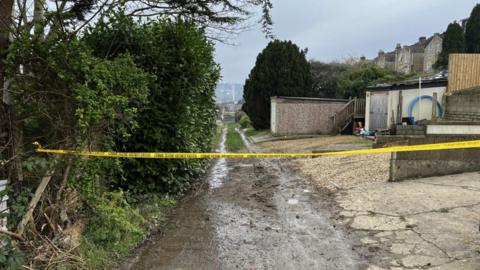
33,203
64,181
12,234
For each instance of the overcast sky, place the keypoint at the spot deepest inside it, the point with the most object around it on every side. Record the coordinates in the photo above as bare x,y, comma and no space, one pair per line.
336,29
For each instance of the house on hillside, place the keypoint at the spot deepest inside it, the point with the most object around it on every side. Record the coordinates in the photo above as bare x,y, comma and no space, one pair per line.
419,57
385,60
431,52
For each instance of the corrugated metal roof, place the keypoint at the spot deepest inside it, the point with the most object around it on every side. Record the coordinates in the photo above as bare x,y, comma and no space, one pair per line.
409,84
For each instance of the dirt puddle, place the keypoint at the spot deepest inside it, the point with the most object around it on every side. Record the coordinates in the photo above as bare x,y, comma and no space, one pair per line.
250,214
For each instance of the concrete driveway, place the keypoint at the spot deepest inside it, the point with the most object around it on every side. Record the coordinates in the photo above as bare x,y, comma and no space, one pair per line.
430,223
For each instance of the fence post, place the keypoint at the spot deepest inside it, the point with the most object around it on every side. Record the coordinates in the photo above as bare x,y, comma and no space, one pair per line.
3,205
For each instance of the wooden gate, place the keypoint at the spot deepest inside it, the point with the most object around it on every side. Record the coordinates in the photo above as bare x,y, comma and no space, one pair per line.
378,110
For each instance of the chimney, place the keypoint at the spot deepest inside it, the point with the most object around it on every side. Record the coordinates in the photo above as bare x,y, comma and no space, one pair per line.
398,47
422,39
381,52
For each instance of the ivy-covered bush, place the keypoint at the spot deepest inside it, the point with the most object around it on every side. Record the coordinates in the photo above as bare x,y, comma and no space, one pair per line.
181,110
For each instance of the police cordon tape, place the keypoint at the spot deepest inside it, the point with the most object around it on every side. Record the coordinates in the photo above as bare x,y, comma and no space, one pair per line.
409,148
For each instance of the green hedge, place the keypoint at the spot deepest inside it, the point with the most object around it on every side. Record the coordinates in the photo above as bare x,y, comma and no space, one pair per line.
181,110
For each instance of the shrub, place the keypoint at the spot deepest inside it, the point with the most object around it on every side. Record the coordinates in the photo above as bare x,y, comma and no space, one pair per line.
114,228
181,110
244,121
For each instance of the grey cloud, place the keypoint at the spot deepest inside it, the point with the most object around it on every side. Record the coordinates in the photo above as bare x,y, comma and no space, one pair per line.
333,29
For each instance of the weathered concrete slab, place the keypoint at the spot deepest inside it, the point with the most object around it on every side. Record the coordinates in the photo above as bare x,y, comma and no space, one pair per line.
431,223
412,197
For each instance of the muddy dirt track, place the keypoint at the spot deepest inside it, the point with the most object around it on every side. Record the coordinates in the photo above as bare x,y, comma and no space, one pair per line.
249,214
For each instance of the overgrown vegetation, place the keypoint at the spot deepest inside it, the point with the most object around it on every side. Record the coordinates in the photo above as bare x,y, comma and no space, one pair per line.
217,136
180,100
244,121
356,78
252,132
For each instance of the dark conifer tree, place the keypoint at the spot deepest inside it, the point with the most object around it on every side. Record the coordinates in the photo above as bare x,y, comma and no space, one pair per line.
281,69
472,31
453,42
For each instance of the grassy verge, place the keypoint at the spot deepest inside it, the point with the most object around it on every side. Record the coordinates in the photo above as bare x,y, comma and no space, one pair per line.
234,140
116,227
251,132
217,136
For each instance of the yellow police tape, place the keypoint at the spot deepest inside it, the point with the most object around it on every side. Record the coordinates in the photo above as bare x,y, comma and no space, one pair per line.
409,148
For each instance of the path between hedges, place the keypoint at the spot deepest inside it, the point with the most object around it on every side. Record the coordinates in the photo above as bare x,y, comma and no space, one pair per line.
249,214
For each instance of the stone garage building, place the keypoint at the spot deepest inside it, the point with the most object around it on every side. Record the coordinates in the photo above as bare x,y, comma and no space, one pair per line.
299,115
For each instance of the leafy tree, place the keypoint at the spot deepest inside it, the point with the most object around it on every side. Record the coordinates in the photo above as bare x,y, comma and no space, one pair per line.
354,81
453,42
325,78
280,70
472,31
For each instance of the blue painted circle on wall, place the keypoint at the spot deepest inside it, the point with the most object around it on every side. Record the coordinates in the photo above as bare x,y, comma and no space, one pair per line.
416,100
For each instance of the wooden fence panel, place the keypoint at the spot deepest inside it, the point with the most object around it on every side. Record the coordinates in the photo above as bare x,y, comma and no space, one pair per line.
463,72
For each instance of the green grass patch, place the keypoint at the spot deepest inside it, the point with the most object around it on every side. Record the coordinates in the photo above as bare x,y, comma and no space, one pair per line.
251,132
117,226
234,141
217,136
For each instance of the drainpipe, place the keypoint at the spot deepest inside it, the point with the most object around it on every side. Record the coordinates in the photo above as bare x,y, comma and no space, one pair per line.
419,95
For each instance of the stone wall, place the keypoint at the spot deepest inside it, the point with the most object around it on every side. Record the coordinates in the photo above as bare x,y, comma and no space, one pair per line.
432,50
403,60
303,115
409,165
417,62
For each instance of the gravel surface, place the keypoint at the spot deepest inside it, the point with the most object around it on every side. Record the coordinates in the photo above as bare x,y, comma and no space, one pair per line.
336,172
343,172
340,142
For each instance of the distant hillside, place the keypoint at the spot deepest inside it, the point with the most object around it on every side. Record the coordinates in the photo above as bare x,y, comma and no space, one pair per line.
228,92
